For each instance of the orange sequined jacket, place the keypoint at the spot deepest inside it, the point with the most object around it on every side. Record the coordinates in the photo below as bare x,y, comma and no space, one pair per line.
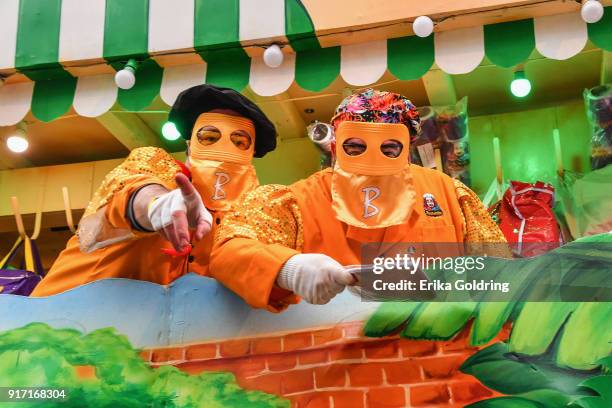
106,245
275,222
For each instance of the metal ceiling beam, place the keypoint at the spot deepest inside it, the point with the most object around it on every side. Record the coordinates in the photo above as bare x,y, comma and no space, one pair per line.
129,129
439,87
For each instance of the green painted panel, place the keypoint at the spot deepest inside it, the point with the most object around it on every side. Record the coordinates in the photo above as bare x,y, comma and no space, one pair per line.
299,28
527,144
230,68
509,44
409,58
126,29
52,98
316,69
148,83
217,41
38,33
600,33
217,24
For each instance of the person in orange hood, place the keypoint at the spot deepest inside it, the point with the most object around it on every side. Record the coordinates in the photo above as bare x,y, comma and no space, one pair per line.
143,219
281,243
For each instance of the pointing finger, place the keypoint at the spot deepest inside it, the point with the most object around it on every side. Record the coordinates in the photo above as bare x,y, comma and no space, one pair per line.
187,189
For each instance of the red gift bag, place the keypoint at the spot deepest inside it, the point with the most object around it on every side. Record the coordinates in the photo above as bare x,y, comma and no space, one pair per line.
526,218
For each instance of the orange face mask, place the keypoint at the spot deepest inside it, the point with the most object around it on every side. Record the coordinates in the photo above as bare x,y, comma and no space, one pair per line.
222,171
371,190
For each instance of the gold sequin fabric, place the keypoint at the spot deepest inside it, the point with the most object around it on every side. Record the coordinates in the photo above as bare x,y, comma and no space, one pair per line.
479,226
269,214
143,161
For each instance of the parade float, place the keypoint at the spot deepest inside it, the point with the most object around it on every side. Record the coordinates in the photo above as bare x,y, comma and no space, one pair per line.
514,103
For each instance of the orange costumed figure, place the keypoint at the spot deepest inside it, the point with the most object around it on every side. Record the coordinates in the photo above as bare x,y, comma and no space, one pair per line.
284,242
144,218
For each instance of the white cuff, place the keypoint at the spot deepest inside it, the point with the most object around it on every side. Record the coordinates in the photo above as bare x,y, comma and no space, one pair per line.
286,276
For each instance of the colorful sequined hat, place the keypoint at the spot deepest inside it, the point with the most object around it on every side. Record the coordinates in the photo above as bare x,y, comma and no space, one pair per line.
378,106
203,98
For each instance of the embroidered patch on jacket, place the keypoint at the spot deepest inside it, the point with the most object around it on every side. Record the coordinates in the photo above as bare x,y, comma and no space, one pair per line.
430,205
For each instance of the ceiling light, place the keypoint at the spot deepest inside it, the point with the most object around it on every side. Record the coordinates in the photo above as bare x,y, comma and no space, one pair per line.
170,132
592,11
273,56
520,86
17,142
126,78
423,26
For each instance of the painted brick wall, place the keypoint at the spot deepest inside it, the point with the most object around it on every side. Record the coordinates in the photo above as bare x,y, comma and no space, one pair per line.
338,367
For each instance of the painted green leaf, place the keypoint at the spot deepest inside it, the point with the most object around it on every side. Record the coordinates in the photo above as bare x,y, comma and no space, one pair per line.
538,398
409,58
606,364
489,319
316,69
509,373
537,326
602,385
148,81
439,320
586,337
506,402
508,44
388,318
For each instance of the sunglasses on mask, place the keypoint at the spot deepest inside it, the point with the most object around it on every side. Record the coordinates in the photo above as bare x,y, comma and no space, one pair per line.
356,146
208,135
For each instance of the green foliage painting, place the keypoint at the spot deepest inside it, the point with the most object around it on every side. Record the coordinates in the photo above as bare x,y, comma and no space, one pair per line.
558,354
38,355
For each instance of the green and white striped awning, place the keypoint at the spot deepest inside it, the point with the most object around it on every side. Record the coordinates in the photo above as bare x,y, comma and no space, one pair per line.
54,46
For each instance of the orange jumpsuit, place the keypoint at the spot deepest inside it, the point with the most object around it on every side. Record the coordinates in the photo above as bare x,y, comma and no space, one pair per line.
273,223
134,254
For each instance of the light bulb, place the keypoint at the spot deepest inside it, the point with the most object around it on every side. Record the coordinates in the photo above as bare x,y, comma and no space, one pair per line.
17,143
423,26
170,132
273,56
520,86
125,79
592,11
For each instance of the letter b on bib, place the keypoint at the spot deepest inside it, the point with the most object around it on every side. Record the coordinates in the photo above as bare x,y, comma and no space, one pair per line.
370,194
221,180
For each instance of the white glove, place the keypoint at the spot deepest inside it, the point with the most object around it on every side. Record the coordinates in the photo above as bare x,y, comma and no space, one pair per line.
315,277
173,213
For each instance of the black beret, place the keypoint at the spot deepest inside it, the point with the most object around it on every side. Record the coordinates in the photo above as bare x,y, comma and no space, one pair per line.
203,98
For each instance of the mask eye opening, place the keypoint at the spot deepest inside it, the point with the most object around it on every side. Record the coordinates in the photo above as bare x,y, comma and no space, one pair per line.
208,135
241,139
354,146
391,148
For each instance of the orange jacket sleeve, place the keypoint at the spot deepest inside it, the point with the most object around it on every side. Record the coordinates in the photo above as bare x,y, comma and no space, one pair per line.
253,242
105,220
